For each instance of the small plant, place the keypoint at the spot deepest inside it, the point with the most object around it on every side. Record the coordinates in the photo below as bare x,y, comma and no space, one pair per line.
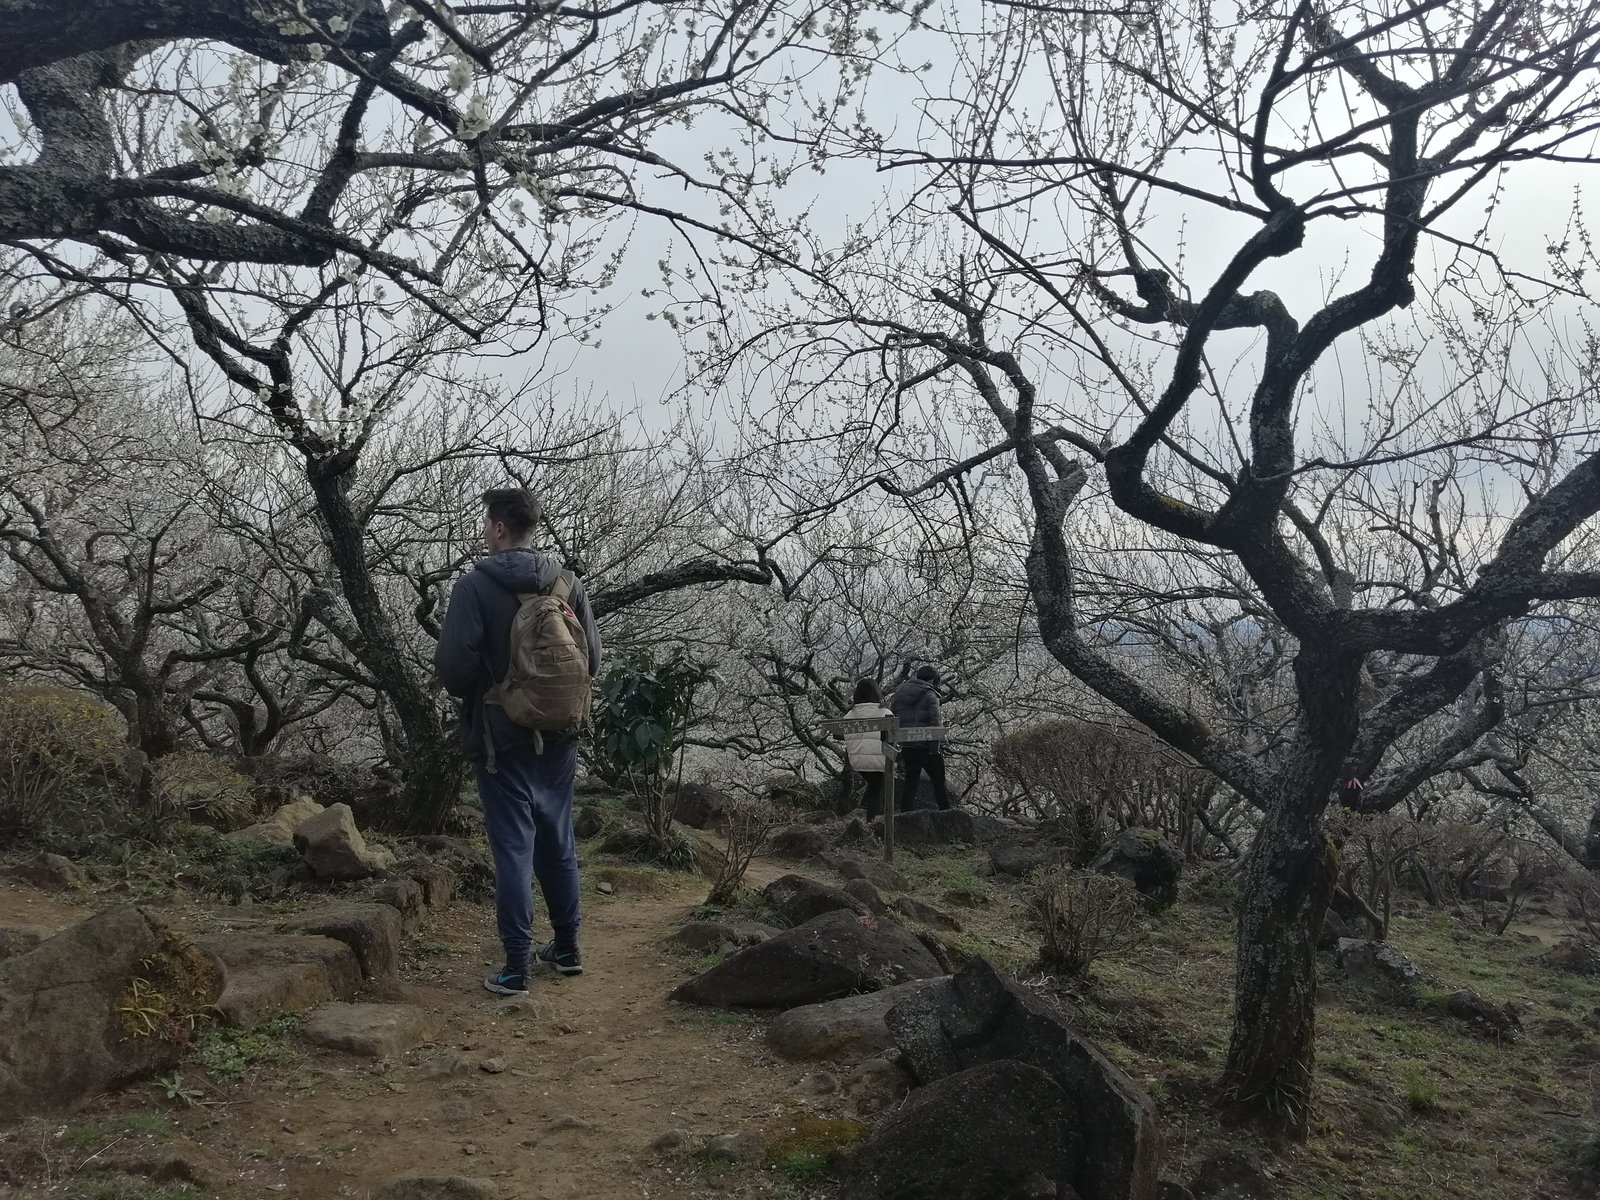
1084,915
748,826
1422,1096
176,1089
231,1054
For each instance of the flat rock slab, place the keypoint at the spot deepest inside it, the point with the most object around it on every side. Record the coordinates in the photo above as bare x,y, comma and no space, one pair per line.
372,931
925,914
851,1027
271,973
370,1030
834,955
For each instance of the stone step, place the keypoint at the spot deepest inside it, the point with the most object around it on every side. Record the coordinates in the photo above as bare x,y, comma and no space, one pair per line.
272,973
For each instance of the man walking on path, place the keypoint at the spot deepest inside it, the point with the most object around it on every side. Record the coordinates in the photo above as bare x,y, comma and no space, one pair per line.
524,778
916,703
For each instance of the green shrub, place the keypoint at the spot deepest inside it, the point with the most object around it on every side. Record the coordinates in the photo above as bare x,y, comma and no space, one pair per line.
63,759
204,789
1422,1094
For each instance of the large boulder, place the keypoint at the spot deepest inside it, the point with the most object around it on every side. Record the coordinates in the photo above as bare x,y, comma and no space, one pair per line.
279,828
1020,858
874,870
1575,955
791,791
798,842
934,827
797,899
979,1016
1498,1021
834,955
1378,968
997,1131
868,895
1148,861
851,1027
101,1003
438,882
333,847
699,806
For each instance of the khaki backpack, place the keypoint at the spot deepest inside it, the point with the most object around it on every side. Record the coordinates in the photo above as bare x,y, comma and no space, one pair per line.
546,688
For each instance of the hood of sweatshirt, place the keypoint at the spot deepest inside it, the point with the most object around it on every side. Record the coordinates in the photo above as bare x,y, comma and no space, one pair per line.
914,688
521,570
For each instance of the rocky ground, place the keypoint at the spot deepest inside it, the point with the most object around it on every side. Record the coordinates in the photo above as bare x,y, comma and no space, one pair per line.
409,1080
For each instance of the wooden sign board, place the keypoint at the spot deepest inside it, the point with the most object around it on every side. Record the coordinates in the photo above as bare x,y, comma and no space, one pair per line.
860,725
920,733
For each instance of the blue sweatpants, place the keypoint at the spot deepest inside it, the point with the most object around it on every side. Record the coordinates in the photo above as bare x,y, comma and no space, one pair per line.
527,809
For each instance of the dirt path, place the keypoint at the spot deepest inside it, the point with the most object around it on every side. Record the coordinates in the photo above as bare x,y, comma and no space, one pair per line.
593,1075
593,1072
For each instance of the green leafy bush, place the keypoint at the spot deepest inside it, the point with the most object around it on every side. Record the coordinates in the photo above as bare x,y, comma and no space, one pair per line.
640,720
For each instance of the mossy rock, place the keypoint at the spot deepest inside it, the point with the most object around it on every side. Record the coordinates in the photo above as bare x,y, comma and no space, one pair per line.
802,1133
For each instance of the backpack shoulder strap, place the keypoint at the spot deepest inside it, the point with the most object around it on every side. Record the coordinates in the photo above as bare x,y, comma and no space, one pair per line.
562,587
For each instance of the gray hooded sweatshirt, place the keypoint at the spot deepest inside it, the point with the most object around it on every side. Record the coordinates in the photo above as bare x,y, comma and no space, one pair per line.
474,650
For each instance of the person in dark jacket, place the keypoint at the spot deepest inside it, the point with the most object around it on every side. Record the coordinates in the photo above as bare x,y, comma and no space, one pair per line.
526,793
916,703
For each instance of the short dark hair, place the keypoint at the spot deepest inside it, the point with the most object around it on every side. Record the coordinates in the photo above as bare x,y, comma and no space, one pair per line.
929,672
867,692
516,508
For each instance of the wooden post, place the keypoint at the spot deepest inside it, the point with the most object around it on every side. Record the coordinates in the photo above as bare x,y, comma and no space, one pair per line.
891,754
889,729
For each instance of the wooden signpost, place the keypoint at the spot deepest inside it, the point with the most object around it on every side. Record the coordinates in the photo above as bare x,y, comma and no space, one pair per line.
893,738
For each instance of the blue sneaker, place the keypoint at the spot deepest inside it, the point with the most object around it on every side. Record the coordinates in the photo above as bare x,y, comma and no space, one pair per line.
508,981
563,962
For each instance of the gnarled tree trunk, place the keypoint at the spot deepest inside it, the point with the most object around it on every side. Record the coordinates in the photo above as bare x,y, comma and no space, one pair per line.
429,758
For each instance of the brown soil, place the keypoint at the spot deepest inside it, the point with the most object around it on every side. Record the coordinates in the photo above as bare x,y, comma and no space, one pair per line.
592,1077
